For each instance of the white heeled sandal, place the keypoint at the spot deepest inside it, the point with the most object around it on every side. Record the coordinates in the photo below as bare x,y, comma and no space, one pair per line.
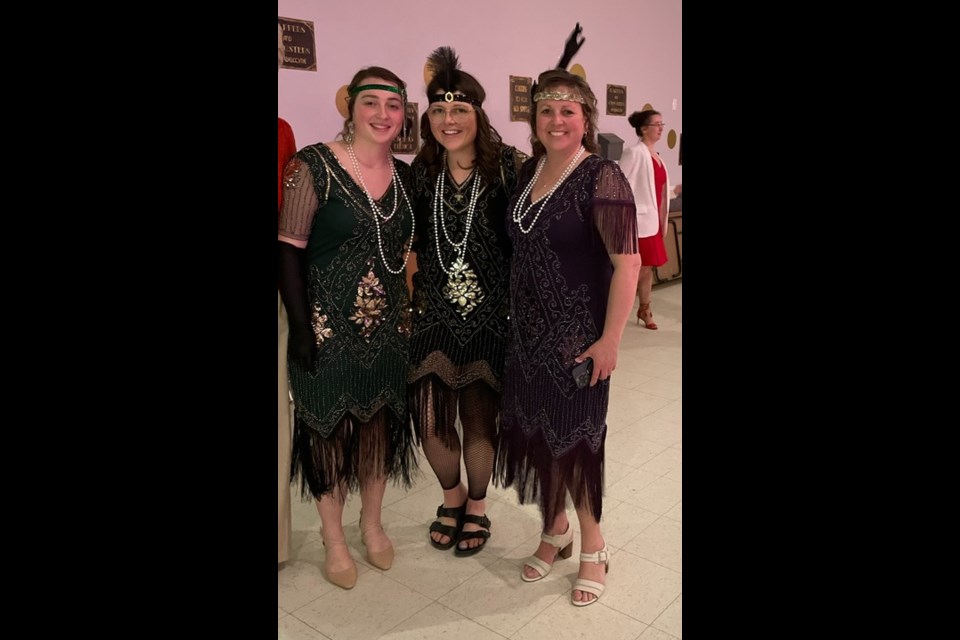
590,586
562,541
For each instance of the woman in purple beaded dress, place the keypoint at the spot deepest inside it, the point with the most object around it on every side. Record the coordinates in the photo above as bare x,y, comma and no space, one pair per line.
572,224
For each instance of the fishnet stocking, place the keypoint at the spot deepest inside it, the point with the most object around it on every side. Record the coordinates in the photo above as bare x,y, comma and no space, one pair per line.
435,413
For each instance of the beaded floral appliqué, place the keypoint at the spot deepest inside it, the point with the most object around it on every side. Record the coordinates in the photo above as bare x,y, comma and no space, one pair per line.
462,288
292,173
321,331
370,305
405,324
570,347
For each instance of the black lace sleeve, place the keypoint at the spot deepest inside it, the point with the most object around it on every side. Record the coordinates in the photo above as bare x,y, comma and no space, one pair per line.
420,198
510,162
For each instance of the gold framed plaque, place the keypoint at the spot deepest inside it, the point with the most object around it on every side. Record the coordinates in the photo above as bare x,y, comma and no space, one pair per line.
409,143
616,100
520,98
299,44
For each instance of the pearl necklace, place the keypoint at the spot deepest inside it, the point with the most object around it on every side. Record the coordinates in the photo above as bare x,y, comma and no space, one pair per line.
519,214
375,208
459,247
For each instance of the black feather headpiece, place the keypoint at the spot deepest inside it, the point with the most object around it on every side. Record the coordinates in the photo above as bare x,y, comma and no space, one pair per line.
570,49
446,73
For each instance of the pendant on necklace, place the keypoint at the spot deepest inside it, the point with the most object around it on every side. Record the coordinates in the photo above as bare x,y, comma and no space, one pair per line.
462,288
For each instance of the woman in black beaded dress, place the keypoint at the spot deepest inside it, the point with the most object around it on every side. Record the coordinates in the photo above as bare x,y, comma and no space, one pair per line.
573,276
463,178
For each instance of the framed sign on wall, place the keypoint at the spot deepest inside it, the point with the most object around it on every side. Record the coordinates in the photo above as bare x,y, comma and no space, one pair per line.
299,44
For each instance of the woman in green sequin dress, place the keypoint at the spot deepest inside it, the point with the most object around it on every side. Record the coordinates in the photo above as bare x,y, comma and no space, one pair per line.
344,240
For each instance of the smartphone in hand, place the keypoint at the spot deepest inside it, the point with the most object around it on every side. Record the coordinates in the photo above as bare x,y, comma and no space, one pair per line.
582,372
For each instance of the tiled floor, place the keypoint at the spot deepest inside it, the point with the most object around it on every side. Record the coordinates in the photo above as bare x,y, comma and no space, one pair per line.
431,594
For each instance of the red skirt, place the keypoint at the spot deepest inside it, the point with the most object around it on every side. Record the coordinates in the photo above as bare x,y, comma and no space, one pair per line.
653,253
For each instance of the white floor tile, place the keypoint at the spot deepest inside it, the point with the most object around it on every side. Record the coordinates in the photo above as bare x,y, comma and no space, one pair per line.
498,599
671,620
627,379
370,609
639,588
437,622
652,633
631,485
665,462
632,358
676,513
658,430
622,524
659,496
671,413
563,621
629,447
629,405
660,542
662,387
290,628
614,472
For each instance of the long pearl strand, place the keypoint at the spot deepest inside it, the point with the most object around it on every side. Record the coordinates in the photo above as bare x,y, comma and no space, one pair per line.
375,208
519,214
459,247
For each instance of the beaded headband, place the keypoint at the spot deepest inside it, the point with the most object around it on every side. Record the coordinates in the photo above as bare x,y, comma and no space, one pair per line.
570,48
450,96
380,87
556,95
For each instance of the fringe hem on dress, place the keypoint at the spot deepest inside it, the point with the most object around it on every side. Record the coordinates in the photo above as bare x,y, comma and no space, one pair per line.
527,464
354,454
433,403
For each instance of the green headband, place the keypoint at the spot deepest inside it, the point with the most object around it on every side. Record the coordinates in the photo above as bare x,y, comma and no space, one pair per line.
381,87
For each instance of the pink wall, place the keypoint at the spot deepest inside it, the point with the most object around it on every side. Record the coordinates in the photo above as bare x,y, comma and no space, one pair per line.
636,43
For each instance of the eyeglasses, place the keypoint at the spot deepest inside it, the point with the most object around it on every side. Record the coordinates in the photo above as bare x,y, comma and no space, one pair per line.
438,115
656,124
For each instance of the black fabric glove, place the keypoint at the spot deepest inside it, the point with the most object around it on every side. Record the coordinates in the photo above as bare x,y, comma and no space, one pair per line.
301,346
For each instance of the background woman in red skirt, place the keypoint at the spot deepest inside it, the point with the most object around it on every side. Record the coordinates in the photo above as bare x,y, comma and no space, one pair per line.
647,175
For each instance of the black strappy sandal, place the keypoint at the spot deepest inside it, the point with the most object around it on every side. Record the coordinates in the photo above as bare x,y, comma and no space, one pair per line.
483,521
451,531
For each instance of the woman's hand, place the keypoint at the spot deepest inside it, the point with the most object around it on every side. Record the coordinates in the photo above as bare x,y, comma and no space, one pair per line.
604,354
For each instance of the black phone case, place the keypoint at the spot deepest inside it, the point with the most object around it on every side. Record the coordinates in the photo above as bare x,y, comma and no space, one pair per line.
582,372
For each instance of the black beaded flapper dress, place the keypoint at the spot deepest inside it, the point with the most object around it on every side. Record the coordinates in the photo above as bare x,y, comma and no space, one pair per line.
552,433
460,308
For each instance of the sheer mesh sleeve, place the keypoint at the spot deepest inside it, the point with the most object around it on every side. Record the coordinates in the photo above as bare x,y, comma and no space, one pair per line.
614,212
300,199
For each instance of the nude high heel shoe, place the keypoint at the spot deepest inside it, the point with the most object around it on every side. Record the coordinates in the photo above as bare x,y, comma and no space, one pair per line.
345,579
382,560
562,541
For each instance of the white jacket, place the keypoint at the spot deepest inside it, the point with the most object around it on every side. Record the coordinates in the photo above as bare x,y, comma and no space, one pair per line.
637,166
